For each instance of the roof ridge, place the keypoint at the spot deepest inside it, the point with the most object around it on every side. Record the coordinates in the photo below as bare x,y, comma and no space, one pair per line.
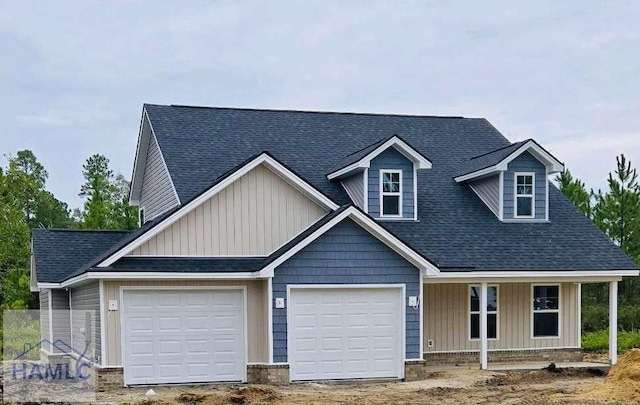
499,149
84,230
315,111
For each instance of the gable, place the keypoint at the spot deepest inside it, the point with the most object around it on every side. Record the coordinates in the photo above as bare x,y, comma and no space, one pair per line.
526,163
488,189
252,216
157,194
354,186
391,159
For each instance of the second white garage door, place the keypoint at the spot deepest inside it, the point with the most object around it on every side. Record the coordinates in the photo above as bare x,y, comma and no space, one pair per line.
183,336
345,333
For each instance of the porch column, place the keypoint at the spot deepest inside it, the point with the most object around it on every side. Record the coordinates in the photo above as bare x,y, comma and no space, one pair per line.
483,327
613,322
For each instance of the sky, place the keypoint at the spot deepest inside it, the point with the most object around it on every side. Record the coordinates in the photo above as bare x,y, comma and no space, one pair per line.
74,74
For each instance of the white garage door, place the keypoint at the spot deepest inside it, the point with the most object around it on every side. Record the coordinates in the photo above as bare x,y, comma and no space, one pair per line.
345,333
183,336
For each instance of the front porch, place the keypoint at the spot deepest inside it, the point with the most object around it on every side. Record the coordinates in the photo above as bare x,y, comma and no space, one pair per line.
512,323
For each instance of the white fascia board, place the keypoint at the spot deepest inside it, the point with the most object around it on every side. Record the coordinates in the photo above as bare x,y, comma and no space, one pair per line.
47,286
369,225
552,164
140,159
516,276
279,169
410,153
156,275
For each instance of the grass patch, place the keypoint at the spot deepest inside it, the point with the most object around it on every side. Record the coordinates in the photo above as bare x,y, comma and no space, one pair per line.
599,341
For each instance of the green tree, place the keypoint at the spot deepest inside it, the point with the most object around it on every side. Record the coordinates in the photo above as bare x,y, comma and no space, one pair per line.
98,191
107,197
575,190
617,213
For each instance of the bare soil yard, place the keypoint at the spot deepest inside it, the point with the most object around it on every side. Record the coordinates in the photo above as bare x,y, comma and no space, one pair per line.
447,387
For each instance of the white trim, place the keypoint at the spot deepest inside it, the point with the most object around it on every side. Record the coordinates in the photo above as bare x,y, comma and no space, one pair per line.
546,182
484,200
403,309
484,344
368,224
51,347
496,313
415,193
103,320
46,286
366,190
349,193
164,162
143,275
382,193
70,319
199,256
501,193
398,144
596,275
264,158
532,195
142,219
421,298
558,311
579,314
181,288
523,349
613,322
270,320
135,159
543,156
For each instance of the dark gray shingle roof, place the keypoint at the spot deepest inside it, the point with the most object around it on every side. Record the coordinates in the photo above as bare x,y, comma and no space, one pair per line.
60,252
455,228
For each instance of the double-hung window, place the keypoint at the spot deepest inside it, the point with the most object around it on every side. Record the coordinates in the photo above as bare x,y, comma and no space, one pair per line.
391,193
524,196
546,311
474,312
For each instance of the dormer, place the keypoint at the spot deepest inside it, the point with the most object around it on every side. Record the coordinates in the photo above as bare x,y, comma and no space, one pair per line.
381,178
513,181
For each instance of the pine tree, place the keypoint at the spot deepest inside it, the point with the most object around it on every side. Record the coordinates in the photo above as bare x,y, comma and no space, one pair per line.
576,191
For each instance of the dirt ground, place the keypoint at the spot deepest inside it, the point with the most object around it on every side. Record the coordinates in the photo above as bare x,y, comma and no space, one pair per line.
455,386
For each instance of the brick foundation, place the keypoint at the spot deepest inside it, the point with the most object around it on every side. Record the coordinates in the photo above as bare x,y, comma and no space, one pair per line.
415,370
506,356
106,379
273,374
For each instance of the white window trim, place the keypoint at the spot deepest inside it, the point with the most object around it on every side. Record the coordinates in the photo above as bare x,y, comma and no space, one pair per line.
470,312
399,193
547,311
516,195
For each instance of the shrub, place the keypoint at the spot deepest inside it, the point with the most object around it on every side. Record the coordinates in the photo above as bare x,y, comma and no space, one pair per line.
599,341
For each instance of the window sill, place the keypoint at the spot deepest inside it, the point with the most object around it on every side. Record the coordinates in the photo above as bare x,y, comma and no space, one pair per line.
396,219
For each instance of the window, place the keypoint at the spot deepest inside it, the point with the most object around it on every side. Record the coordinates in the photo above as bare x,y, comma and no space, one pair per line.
474,312
524,198
546,311
391,193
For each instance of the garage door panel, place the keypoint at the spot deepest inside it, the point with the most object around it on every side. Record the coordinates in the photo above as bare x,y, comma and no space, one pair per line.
345,333
188,340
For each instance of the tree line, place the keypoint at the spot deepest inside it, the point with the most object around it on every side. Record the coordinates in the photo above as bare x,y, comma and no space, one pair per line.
25,203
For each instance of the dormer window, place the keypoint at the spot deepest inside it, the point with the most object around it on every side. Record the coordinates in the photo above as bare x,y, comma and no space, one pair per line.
391,193
524,195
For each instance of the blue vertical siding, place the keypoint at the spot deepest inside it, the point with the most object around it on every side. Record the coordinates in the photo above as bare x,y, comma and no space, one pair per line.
525,163
393,160
346,254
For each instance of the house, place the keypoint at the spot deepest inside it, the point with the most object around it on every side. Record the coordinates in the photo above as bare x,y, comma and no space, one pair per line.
280,246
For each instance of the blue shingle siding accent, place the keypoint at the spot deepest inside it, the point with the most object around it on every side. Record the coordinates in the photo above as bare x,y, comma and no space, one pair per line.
346,254
391,159
525,163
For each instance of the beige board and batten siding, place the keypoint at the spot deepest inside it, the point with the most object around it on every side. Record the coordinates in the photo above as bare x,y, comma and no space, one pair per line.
157,194
256,314
44,319
86,299
253,216
446,318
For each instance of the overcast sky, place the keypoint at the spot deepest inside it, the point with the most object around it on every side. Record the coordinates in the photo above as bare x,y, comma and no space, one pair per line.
74,75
